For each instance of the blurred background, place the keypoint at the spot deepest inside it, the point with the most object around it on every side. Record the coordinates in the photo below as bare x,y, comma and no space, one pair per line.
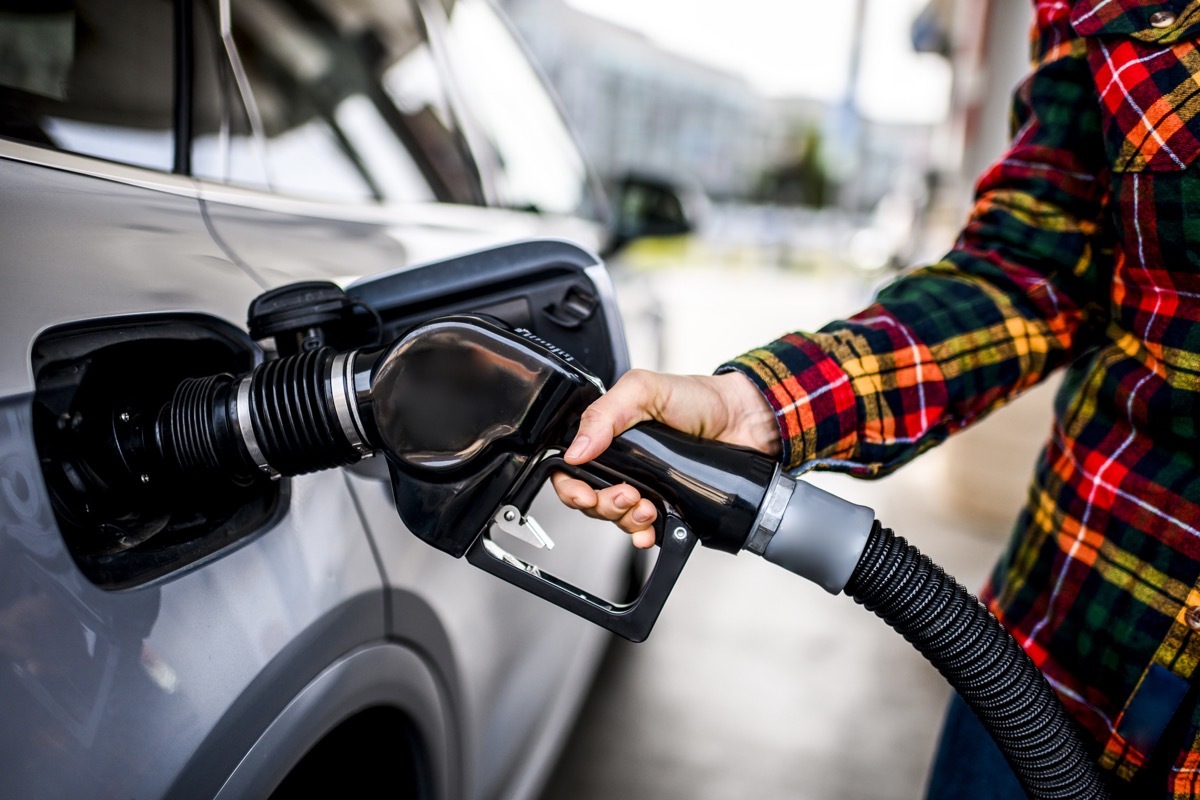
820,149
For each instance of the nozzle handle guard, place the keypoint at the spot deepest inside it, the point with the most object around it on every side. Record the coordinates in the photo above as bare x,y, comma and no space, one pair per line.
704,492
632,620
474,416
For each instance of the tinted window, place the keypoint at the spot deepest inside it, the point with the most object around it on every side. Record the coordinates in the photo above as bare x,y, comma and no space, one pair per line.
420,110
93,77
224,148
533,157
334,101
291,70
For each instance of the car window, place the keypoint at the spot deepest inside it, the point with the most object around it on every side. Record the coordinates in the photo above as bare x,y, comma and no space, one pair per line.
415,88
339,112
535,161
92,76
285,66
223,146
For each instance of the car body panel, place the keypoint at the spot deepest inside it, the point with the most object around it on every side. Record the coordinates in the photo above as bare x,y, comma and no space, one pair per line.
293,599
517,680
115,689
128,249
381,673
292,240
125,699
214,679
282,240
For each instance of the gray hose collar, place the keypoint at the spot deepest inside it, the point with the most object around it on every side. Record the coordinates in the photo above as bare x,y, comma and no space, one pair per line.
819,536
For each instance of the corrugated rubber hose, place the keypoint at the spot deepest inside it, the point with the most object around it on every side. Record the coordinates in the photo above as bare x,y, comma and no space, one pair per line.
981,660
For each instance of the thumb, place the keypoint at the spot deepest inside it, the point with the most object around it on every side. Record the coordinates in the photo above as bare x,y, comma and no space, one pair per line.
610,415
597,427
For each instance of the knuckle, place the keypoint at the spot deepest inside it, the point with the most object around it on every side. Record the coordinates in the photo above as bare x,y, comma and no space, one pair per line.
592,417
636,382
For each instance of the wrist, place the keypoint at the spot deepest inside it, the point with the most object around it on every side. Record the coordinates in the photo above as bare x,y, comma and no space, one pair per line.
752,421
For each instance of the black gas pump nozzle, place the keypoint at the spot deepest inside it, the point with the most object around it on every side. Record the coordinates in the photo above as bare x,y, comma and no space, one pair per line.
472,417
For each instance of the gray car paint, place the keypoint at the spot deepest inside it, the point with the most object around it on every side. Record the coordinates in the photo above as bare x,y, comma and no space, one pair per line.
186,687
517,678
109,693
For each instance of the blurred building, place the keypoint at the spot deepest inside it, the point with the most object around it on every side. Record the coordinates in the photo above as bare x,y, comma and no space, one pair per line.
987,45
638,108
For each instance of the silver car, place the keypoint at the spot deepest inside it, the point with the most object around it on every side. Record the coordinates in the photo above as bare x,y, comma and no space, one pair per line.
162,165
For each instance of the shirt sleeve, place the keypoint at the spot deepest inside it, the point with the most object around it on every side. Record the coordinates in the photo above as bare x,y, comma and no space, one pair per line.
1020,293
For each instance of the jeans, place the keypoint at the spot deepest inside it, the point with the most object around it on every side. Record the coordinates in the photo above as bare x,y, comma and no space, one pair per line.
968,763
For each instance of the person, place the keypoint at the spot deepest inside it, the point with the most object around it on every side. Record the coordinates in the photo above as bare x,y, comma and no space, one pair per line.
1081,254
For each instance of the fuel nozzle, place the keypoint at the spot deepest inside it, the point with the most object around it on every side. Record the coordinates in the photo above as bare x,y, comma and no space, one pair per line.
473,417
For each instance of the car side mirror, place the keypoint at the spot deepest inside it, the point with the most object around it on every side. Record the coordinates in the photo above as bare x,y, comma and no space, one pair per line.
647,206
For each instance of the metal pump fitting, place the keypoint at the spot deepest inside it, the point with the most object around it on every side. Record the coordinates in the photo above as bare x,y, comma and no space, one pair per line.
808,531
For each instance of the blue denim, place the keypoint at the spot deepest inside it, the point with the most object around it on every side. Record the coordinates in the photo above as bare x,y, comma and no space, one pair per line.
968,763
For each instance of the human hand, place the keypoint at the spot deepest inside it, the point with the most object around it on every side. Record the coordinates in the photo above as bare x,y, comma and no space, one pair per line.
725,407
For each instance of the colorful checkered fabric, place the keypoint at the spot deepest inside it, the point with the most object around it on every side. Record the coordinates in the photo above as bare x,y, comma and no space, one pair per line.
1082,254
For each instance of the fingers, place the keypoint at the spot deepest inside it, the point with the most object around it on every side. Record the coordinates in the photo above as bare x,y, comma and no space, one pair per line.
643,539
573,492
727,408
621,504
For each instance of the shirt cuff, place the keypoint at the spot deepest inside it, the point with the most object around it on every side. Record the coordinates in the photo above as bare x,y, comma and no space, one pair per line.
811,395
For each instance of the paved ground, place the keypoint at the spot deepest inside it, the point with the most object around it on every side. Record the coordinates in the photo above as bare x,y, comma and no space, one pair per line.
753,683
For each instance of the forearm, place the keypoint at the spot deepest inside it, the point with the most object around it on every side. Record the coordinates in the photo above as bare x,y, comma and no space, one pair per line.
1017,296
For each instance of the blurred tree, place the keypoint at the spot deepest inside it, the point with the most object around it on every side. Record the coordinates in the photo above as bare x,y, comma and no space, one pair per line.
802,178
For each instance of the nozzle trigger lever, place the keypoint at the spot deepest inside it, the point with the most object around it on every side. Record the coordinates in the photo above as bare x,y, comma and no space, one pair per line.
510,520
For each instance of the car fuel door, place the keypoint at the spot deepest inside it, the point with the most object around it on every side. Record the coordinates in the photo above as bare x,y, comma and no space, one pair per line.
553,288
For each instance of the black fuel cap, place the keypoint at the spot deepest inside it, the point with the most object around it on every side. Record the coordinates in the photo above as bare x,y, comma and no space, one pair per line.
297,316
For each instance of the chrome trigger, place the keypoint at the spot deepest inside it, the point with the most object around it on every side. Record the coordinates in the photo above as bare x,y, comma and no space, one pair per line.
524,527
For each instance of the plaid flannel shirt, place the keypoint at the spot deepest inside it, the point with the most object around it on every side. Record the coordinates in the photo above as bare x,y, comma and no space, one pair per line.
1082,253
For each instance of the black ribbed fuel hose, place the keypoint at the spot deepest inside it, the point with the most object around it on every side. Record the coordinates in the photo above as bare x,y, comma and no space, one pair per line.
290,406
981,660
